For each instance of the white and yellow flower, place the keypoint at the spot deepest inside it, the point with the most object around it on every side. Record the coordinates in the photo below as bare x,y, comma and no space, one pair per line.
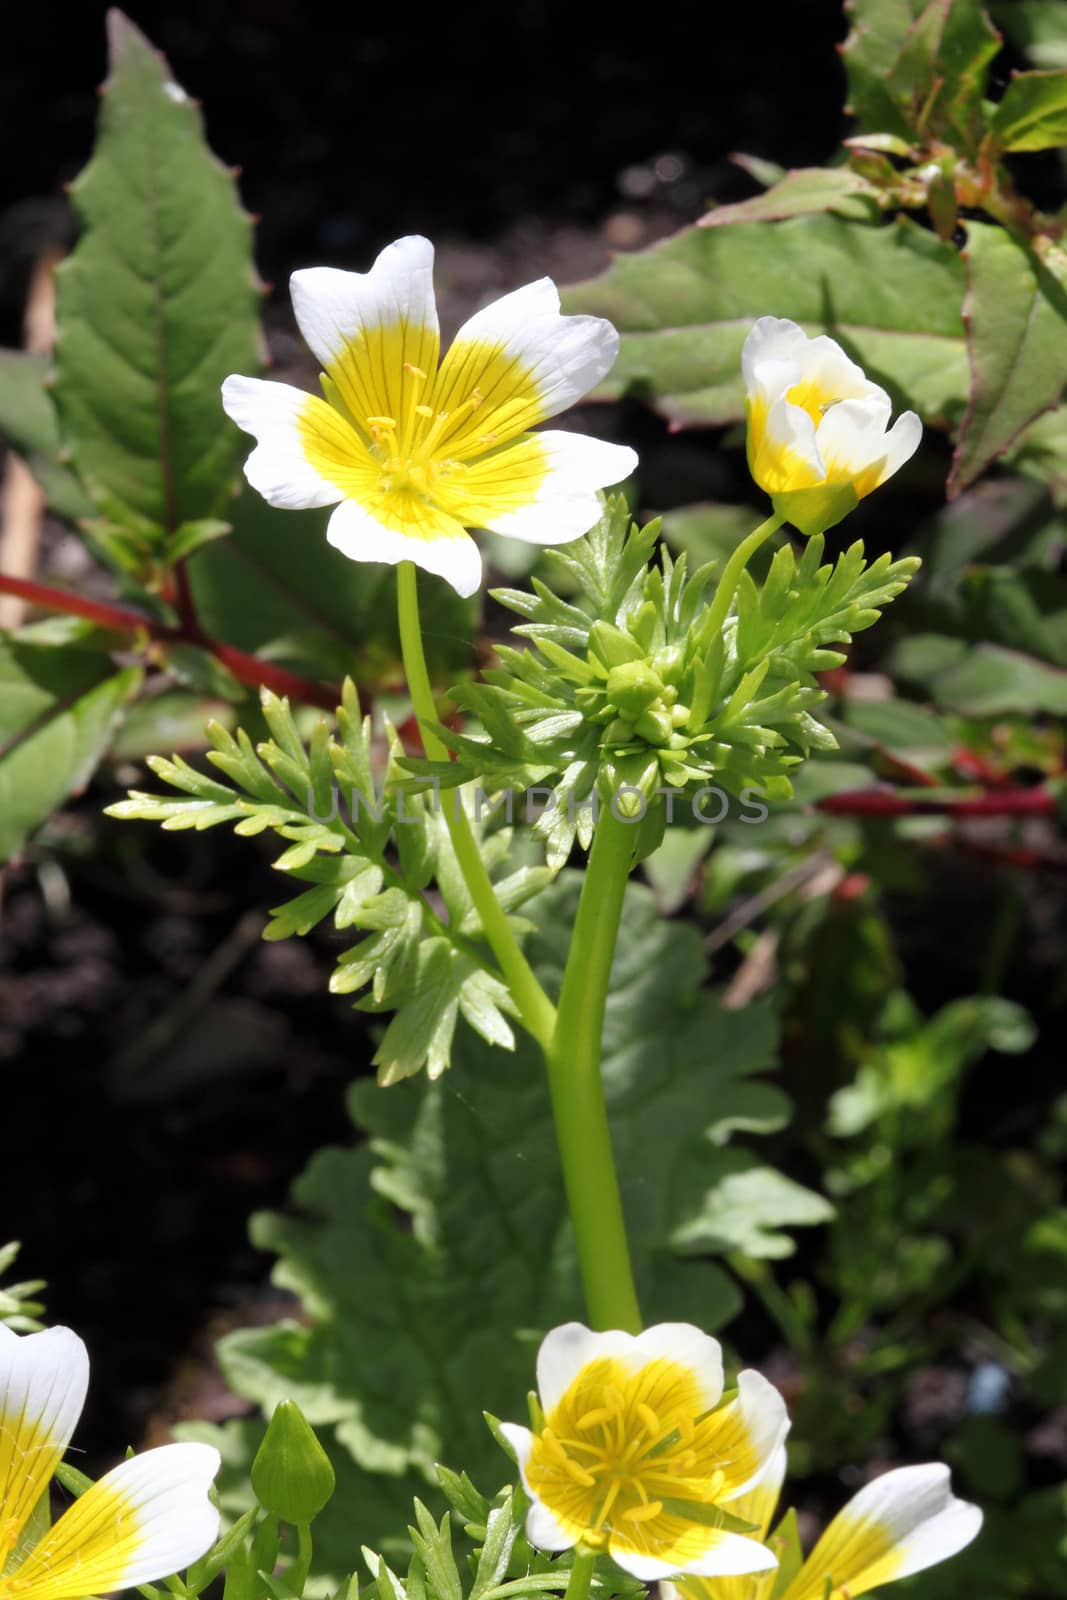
900,1523
147,1518
413,453
817,426
638,1453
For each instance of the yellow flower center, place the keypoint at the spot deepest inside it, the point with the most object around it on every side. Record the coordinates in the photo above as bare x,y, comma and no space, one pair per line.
407,448
620,1451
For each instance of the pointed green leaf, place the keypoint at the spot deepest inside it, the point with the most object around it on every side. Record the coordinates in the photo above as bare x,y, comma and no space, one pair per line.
1033,113
1016,310
59,707
891,295
800,193
156,305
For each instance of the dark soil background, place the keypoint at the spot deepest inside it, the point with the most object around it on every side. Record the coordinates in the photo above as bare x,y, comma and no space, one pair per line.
164,1072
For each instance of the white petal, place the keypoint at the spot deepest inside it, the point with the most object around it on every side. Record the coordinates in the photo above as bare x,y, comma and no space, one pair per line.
566,504
774,341
766,1422
278,467
566,1350
43,1381
544,1532
521,1441
852,437
332,306
150,1516
903,440
360,536
824,364
691,1348
777,354
726,1555
564,356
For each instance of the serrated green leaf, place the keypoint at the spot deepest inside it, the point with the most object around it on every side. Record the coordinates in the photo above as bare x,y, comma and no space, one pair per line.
156,304
59,708
1017,336
891,295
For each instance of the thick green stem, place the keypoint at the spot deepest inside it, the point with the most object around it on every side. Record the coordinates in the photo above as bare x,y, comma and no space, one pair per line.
719,609
582,1131
581,1575
535,1008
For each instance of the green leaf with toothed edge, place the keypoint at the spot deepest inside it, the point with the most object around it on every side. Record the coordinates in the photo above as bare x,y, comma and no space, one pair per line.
889,295
1017,337
155,306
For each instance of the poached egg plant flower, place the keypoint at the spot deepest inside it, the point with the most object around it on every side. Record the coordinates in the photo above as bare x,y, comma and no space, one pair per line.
898,1524
638,1454
413,453
147,1518
818,428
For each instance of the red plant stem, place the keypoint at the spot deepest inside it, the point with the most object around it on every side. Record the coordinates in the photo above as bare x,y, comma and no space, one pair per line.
885,803
184,603
246,668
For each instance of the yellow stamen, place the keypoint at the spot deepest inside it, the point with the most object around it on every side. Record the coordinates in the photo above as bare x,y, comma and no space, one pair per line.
594,1418
644,1513
649,1418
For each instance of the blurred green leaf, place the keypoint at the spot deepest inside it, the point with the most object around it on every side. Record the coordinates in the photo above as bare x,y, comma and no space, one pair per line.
890,295
156,305
917,68
59,708
1017,336
1034,27
711,532
28,423
1033,113
276,587
798,194
988,680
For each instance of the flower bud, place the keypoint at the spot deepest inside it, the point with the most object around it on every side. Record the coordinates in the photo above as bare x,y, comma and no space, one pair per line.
632,687
291,1475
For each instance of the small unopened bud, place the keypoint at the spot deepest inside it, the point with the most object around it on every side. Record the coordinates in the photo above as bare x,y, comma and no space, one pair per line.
291,1475
633,686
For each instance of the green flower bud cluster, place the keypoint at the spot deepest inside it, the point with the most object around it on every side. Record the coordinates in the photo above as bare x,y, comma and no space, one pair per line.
633,686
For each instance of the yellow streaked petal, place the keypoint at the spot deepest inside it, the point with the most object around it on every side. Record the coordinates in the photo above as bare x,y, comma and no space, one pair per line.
522,362
900,1523
147,1518
745,1436
43,1379
370,328
677,1545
